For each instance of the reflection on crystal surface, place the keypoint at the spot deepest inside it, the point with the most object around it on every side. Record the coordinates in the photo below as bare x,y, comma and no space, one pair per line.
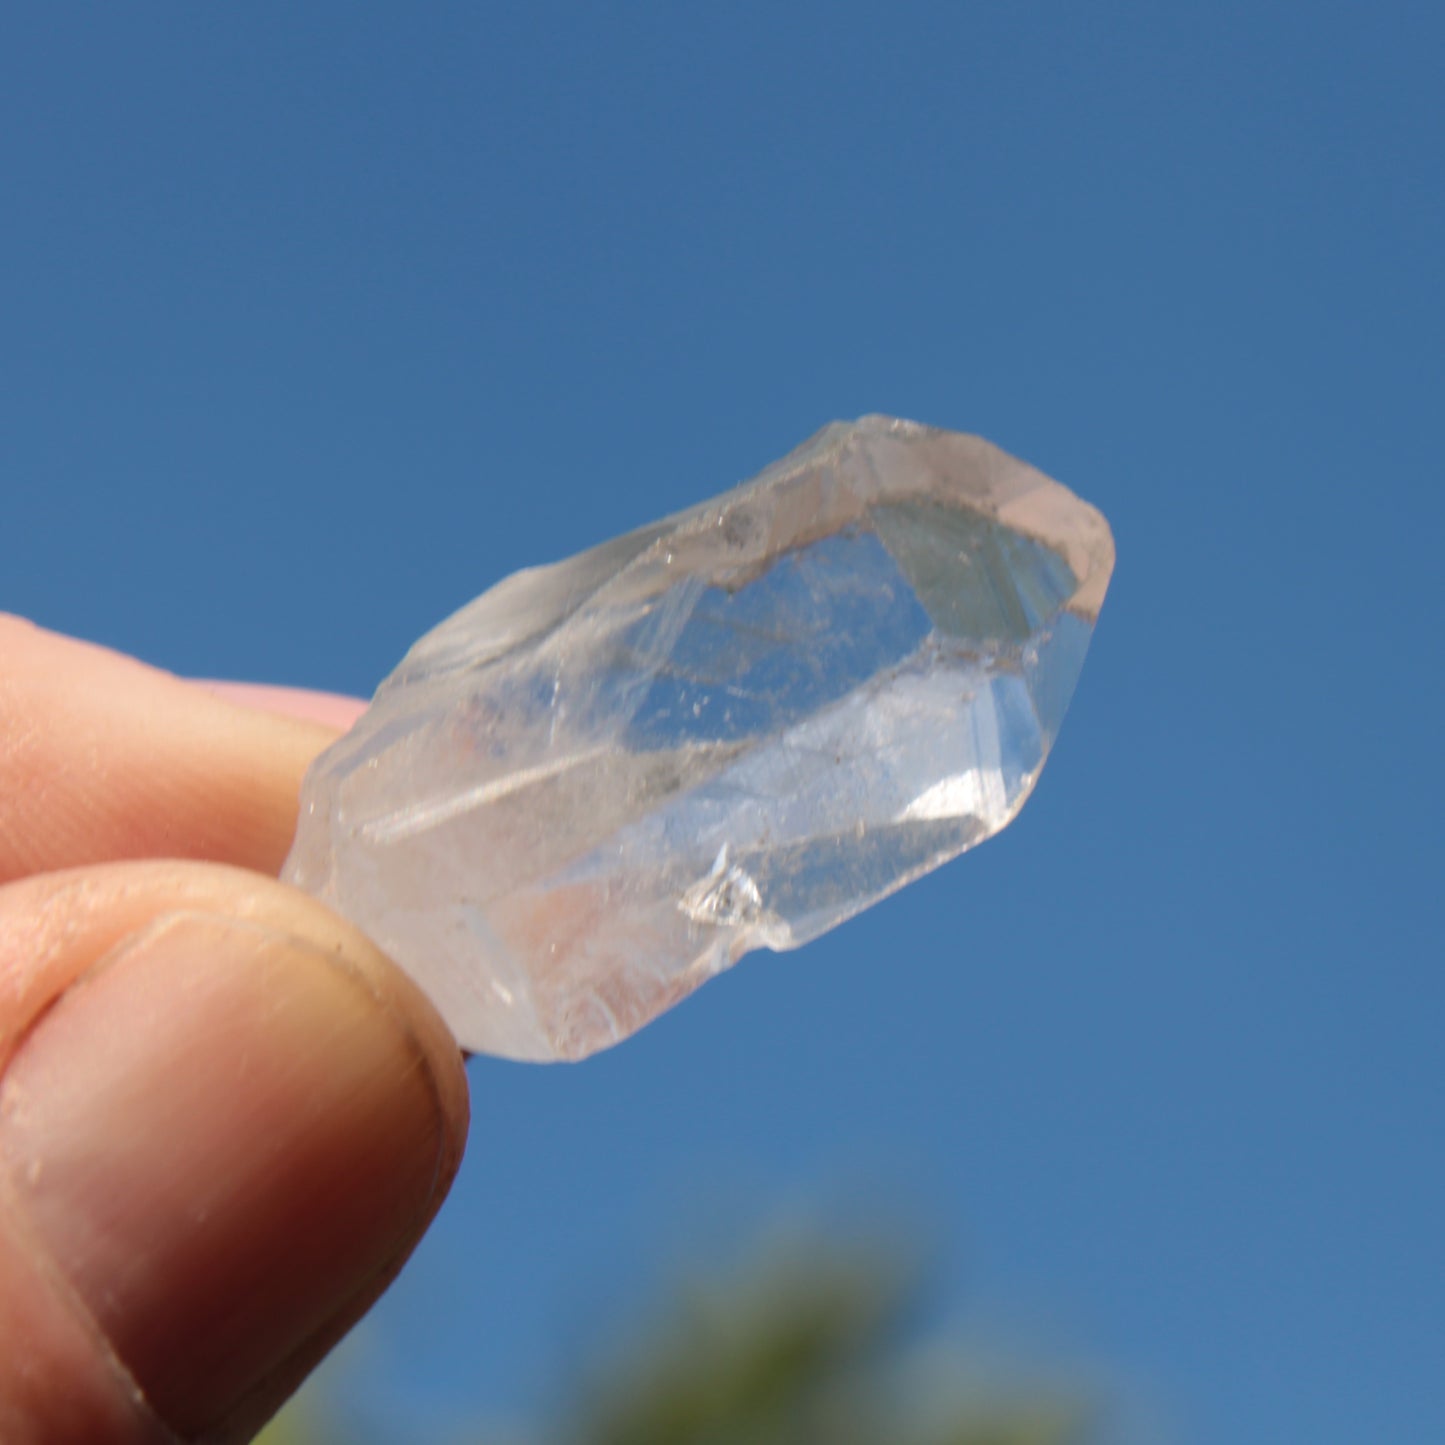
605,780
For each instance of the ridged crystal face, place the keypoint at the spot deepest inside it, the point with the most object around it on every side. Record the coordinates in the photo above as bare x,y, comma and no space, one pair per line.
605,780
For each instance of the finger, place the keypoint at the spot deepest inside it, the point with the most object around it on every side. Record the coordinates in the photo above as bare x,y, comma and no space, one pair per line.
328,708
104,758
225,1120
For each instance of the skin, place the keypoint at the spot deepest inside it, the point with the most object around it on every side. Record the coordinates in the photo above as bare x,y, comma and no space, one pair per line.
225,1118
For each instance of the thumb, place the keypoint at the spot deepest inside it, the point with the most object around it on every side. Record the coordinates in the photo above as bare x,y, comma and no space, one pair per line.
225,1120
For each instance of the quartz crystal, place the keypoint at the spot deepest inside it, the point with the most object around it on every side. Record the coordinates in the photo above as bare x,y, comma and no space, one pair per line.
603,781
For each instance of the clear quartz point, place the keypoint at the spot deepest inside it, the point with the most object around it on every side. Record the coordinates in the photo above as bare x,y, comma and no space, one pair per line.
605,780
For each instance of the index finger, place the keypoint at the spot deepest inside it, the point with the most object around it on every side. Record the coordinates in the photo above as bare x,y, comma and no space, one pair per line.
103,758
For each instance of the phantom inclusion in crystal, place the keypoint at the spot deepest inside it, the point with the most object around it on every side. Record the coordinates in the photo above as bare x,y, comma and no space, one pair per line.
605,780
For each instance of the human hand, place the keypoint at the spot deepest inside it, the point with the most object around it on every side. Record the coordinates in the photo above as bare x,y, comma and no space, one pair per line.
225,1118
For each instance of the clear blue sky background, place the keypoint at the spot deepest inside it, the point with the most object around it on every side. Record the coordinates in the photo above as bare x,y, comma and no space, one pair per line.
317,318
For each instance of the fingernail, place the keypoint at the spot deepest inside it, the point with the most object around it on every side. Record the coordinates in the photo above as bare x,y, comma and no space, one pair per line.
329,708
220,1138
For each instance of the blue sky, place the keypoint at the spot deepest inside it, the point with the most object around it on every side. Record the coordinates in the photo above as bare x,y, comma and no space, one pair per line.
317,319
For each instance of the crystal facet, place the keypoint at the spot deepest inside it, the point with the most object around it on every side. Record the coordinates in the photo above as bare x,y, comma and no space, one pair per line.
605,780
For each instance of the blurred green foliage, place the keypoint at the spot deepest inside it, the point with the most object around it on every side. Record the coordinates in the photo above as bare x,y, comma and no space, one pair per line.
812,1345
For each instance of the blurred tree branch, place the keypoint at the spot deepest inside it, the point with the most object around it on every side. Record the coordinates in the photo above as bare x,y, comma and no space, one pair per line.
812,1346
